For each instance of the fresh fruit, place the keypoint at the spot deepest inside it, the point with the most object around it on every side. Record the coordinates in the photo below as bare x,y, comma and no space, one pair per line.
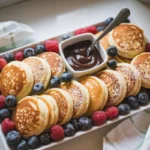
66,77
123,109
52,46
57,132
66,36
111,112
33,141
28,52
133,102
108,21
8,125
3,63
148,47
22,145
112,64
99,117
55,82
13,137
45,138
69,129
11,101
90,29
19,56
40,48
2,101
9,57
101,28
126,21
112,51
75,124
38,88
143,98
85,123
4,113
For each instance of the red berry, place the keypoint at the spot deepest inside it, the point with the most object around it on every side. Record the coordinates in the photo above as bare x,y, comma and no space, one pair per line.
2,101
8,125
90,29
111,112
52,46
99,117
3,63
19,56
57,132
148,47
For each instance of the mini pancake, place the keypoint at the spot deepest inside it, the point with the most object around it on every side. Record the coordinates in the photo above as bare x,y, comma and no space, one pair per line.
64,102
55,62
16,79
31,116
80,97
98,93
142,64
40,68
116,86
132,78
129,40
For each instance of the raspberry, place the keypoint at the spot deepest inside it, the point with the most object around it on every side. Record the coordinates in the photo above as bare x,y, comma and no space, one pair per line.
2,101
57,132
19,56
52,46
99,117
8,125
3,63
111,112
92,29
148,47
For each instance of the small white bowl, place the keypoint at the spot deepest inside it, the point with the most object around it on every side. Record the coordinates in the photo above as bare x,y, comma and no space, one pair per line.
76,39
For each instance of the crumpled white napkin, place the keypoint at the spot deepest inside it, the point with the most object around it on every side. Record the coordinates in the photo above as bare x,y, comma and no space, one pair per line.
131,134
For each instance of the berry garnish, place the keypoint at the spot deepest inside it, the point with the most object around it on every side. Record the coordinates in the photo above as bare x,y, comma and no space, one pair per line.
108,21
3,63
28,52
9,57
69,129
55,82
123,109
126,21
133,102
99,117
22,145
11,101
57,132
2,101
4,113
38,88
75,124
19,56
13,137
111,112
66,36
112,64
112,51
8,125
148,47
40,48
45,138
52,46
66,77
101,28
85,123
33,141
143,98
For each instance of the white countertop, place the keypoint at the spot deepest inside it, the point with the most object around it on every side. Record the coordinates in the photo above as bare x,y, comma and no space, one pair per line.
50,18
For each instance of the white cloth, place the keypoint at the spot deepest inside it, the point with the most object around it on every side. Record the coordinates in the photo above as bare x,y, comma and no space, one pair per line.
131,134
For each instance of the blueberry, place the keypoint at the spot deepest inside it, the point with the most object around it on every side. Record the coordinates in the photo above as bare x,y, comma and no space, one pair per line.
66,36
4,113
85,123
101,28
28,52
112,51
22,145
9,57
69,129
126,21
112,64
33,141
66,77
143,98
11,101
108,21
38,88
124,109
40,48
133,102
55,82
75,124
45,138
13,137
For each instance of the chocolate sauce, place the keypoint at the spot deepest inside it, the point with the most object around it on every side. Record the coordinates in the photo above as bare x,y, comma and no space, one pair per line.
77,57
